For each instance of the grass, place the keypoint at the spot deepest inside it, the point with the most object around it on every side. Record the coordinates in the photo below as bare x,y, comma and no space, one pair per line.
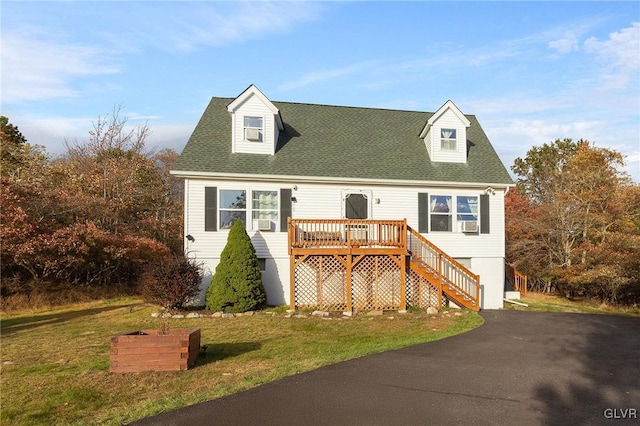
550,303
55,363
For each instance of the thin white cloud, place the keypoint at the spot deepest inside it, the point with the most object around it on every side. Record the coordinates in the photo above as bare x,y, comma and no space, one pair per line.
619,57
567,44
215,24
35,67
322,76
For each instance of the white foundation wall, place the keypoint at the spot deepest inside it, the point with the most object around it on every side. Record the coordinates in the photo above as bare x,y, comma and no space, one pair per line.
491,271
483,253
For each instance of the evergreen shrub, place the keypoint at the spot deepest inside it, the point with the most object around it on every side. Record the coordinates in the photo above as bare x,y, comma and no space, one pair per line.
237,285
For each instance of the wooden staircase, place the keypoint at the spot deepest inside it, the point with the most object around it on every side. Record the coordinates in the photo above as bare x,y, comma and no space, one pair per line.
452,279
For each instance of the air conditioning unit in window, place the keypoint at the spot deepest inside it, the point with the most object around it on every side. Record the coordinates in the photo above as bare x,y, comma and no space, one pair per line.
264,225
470,226
252,134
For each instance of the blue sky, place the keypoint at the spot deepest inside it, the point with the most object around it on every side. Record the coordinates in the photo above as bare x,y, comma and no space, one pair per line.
531,72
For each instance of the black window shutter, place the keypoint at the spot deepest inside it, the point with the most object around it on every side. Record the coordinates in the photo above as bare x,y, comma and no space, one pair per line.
423,212
484,214
285,208
210,208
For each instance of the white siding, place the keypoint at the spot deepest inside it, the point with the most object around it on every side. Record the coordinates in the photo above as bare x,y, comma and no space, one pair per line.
255,108
448,120
325,201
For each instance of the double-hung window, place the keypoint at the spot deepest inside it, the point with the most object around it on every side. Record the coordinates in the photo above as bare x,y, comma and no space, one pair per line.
233,206
441,213
253,129
264,207
467,208
448,139
468,214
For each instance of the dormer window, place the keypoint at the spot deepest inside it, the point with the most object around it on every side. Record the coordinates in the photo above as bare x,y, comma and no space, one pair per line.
253,129
448,139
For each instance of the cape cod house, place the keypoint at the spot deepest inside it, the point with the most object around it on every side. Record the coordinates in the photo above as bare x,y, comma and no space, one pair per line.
350,208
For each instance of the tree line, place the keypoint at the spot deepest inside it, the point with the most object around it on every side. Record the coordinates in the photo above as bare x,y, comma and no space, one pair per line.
100,213
573,222
94,216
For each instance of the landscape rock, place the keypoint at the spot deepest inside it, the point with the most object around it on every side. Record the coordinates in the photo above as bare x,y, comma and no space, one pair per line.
374,313
192,315
320,314
216,315
227,315
431,310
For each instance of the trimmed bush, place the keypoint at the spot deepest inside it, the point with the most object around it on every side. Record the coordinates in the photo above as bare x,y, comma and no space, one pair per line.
237,285
171,283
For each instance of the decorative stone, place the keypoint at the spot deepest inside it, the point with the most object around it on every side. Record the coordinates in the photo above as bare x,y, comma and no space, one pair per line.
155,314
216,315
431,310
290,311
299,316
402,311
192,315
177,316
347,313
374,313
320,314
227,315
249,314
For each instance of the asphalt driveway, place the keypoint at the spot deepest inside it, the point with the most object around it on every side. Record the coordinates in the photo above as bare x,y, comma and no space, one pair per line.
519,368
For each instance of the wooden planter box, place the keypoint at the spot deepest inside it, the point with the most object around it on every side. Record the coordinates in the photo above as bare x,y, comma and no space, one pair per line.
148,350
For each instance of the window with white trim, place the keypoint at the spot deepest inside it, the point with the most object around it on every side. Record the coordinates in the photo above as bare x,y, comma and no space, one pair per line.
467,208
448,139
441,213
253,128
233,206
444,216
264,210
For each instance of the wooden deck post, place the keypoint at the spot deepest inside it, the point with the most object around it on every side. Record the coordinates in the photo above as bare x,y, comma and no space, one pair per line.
347,284
403,284
292,281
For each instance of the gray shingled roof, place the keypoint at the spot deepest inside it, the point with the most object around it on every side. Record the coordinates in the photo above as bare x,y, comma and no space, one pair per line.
339,142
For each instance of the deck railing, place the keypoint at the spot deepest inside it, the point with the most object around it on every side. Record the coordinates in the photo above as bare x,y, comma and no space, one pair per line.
454,276
347,233
380,237
516,278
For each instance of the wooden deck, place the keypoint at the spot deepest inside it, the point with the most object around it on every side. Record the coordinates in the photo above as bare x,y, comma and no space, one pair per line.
347,264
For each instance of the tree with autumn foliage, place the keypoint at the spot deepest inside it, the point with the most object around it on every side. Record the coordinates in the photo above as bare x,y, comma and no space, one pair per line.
95,216
573,223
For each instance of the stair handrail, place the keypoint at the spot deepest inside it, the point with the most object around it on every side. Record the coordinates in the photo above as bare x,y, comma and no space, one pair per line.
518,279
464,281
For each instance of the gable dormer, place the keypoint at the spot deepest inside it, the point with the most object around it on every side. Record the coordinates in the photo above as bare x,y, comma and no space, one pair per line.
255,123
445,135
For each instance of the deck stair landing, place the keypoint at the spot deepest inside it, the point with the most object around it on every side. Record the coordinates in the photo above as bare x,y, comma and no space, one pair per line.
369,264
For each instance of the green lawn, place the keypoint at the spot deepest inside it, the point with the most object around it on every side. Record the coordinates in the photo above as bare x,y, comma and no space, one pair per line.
55,363
550,303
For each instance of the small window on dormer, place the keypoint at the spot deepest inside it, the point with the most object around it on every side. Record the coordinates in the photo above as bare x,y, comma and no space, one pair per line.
448,139
253,130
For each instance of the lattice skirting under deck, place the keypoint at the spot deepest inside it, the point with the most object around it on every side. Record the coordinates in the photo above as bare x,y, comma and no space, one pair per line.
321,282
